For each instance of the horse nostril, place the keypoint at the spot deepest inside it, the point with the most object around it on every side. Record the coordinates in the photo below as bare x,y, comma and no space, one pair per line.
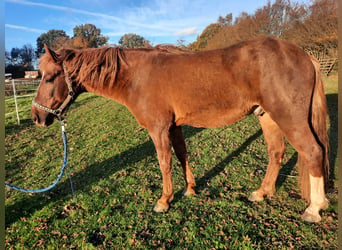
34,118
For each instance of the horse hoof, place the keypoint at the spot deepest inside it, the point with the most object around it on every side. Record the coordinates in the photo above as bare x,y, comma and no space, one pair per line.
189,192
160,208
255,197
308,217
325,204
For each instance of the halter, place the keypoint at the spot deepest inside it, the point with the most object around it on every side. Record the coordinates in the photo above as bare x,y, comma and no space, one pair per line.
70,96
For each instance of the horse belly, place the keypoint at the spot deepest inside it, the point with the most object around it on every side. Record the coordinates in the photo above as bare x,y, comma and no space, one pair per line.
209,117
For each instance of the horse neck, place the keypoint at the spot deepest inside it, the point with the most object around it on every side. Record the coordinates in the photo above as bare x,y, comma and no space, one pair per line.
113,85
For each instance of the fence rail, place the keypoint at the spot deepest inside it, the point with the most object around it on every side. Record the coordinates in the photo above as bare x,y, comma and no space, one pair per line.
327,65
21,86
19,89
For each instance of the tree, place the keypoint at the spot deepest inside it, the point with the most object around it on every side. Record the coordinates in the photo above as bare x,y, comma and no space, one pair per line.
15,55
27,55
226,21
79,42
19,60
131,40
207,34
312,27
181,43
60,42
8,58
317,32
90,33
21,56
52,38
243,16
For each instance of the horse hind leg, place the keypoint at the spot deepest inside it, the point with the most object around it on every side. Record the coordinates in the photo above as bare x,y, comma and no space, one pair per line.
274,138
310,165
179,146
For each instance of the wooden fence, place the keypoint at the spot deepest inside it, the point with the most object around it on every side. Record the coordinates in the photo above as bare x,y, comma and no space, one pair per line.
19,89
327,64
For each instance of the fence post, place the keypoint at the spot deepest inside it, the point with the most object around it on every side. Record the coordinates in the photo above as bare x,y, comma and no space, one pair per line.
15,101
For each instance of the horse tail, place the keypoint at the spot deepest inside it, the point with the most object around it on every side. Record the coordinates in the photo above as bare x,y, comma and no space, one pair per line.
318,122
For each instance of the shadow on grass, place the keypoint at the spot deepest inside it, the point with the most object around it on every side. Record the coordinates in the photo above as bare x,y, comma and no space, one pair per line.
201,182
83,180
212,173
15,128
332,101
80,102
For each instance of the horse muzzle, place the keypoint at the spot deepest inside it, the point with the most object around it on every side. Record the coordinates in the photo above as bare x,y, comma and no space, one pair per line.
41,118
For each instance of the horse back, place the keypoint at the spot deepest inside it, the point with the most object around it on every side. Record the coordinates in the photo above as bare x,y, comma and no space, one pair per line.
218,87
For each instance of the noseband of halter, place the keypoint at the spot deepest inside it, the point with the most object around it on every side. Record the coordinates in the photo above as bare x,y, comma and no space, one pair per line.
59,110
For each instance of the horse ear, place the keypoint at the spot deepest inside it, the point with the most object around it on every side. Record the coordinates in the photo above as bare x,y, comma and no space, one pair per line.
54,56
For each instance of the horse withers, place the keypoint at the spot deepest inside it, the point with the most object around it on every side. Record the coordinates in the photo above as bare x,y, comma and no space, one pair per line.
166,88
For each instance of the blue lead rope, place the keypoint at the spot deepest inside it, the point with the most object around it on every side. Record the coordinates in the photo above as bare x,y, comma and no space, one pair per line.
65,163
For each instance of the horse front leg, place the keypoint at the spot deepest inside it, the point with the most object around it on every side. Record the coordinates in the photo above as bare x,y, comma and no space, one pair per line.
163,147
179,146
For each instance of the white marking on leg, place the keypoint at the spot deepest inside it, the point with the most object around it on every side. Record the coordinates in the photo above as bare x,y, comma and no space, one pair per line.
317,195
317,199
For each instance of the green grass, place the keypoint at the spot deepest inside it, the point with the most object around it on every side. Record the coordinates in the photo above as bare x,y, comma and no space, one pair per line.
117,181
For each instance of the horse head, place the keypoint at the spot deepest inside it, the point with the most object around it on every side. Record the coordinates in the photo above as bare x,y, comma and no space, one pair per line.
55,92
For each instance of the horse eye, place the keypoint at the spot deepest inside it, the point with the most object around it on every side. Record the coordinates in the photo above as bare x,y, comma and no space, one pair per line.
50,80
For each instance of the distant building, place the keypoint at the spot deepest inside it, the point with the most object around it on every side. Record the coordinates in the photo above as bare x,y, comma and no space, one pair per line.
31,74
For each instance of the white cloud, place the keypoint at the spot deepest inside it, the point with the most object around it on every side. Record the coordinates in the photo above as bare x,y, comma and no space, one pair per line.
151,18
24,28
84,12
189,31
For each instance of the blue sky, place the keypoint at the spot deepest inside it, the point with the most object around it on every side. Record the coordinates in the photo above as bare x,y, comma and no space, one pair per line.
159,21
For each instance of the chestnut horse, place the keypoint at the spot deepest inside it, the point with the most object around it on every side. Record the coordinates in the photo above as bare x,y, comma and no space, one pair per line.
166,88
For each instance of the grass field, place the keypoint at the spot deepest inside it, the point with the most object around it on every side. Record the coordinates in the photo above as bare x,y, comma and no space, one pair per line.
117,181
